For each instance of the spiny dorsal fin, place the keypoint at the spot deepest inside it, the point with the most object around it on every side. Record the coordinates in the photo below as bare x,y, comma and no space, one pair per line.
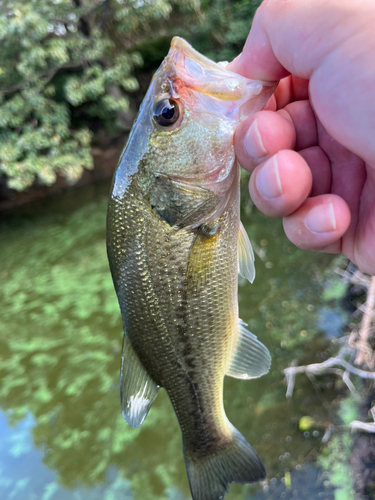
137,389
251,358
245,252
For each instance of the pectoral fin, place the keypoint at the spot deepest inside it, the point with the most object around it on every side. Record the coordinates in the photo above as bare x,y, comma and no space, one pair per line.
251,358
245,252
201,263
179,204
137,389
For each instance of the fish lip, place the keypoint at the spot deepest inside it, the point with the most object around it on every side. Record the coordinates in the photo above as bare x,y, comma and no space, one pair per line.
181,44
198,73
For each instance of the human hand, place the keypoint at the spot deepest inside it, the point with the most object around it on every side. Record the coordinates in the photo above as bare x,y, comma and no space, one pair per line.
312,150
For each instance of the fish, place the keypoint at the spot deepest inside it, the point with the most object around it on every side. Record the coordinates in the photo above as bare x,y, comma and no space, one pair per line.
175,246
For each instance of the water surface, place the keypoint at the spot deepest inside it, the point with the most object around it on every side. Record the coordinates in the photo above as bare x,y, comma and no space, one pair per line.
62,433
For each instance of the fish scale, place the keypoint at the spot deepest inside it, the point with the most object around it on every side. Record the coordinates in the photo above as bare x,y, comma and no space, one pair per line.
175,244
144,308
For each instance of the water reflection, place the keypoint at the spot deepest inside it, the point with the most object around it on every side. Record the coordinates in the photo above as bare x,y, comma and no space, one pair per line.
59,366
23,475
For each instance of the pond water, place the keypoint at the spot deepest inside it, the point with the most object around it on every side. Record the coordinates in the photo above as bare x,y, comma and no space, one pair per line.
62,435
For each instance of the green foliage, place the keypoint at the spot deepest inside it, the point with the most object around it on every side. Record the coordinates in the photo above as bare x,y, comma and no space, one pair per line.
223,29
64,64
335,457
335,291
334,460
349,409
67,69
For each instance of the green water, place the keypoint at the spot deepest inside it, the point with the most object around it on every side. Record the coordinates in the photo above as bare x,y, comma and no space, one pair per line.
62,433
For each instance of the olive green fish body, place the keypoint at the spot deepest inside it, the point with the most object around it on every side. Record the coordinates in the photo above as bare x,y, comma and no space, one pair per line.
175,244
182,330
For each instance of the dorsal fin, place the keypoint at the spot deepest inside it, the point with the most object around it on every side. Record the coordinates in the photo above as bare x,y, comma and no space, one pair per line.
137,389
245,252
251,358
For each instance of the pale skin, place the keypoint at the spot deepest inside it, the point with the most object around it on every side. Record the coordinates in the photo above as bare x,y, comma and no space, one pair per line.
312,150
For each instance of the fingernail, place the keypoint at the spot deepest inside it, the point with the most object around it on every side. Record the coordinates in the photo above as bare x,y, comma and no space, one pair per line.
321,219
268,180
253,142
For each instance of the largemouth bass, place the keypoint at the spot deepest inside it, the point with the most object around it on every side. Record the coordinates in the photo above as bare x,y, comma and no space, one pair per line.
175,246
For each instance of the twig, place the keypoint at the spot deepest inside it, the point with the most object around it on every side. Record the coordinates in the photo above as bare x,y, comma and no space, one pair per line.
328,433
348,382
365,330
327,366
356,425
356,278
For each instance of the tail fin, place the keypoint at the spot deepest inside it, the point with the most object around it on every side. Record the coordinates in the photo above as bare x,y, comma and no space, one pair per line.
236,462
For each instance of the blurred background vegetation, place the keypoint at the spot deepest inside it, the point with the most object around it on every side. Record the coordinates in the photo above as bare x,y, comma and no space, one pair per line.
71,70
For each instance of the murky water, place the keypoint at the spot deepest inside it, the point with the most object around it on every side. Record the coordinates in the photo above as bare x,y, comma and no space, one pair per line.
62,436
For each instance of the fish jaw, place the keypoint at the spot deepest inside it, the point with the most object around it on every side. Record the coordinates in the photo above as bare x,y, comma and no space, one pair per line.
199,73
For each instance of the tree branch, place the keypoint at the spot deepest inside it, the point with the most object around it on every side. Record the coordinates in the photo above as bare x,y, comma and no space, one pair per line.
327,366
357,278
357,425
49,74
365,330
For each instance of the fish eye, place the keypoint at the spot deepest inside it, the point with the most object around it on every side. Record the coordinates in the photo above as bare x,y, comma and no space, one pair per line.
167,112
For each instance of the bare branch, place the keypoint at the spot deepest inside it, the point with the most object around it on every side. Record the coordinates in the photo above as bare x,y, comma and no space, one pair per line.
365,330
356,425
348,382
357,278
324,368
328,433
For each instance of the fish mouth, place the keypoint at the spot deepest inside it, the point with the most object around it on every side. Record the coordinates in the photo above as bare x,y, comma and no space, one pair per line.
197,72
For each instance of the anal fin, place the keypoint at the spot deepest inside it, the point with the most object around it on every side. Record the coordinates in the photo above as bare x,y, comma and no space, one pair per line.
251,359
137,389
245,252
